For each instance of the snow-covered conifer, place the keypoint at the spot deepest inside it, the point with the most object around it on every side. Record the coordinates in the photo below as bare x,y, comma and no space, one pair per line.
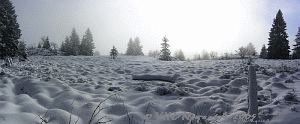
179,54
75,42
251,49
137,47
263,52
114,52
130,48
87,45
22,51
46,43
278,42
296,50
9,30
165,52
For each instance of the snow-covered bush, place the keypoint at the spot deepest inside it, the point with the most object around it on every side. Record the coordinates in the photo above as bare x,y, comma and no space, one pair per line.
284,68
182,91
290,97
268,72
141,87
163,90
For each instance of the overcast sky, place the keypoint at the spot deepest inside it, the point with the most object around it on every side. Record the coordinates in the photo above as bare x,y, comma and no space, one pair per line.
190,25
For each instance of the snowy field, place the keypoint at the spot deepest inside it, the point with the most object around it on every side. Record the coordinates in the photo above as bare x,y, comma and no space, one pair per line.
68,89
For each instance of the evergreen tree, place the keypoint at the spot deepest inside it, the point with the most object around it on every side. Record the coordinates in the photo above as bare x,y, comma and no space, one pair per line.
62,47
130,48
296,50
46,43
179,54
278,43
197,57
9,30
114,52
205,55
97,53
263,52
137,47
251,49
153,53
39,45
87,45
75,42
67,47
22,51
165,52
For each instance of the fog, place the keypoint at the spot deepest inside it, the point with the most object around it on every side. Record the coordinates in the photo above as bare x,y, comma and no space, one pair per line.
221,26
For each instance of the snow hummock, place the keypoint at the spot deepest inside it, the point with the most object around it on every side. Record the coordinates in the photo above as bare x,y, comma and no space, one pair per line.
67,89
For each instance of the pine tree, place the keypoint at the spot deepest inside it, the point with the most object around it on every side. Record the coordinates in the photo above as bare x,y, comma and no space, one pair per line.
205,55
114,52
251,49
46,43
278,43
97,53
75,42
62,47
9,30
130,48
197,57
87,45
137,47
263,52
165,52
296,50
67,47
179,54
22,51
39,45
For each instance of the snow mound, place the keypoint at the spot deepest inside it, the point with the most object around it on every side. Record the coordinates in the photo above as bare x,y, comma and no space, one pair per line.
169,78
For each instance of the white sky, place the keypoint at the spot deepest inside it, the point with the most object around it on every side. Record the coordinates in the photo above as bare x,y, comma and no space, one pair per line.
190,25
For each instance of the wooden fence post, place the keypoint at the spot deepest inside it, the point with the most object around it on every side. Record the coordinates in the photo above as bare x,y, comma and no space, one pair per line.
253,106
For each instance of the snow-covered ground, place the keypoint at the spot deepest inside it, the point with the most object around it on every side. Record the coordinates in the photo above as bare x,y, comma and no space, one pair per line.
139,89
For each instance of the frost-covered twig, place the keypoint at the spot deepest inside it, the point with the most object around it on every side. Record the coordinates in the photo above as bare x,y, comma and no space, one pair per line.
71,112
95,113
42,118
146,112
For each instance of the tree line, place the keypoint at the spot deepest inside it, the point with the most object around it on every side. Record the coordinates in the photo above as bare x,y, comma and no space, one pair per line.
73,46
134,47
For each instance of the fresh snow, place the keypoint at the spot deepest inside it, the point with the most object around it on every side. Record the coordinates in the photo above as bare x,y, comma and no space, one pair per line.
67,89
